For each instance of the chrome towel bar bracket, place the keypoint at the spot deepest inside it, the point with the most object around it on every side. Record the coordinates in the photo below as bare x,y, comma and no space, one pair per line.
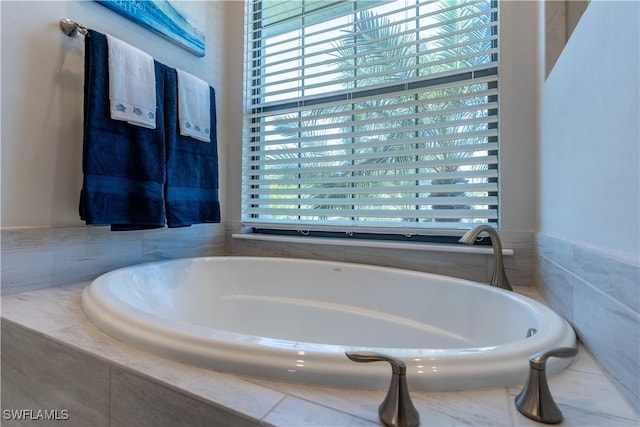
72,28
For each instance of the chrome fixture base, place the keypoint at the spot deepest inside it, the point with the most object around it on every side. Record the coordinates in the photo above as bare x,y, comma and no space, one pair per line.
535,400
396,410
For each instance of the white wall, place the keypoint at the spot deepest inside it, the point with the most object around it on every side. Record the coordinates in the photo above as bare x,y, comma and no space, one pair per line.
590,134
42,95
588,244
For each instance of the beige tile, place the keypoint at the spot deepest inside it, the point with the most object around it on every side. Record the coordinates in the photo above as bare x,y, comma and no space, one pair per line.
474,408
39,267
139,402
556,250
45,310
242,247
465,266
618,279
226,390
585,362
556,287
37,237
477,407
170,243
519,267
38,373
585,399
612,333
297,412
57,313
360,403
35,258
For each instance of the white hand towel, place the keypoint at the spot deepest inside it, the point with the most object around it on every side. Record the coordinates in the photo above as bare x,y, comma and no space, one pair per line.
132,84
194,109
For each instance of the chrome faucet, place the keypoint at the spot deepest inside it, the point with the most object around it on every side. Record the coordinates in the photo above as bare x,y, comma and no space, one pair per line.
499,277
396,410
535,401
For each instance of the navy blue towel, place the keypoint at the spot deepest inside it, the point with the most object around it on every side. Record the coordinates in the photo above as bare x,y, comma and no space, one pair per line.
123,164
191,189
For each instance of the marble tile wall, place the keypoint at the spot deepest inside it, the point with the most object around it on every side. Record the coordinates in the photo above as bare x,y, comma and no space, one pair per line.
478,267
141,402
600,295
41,373
34,258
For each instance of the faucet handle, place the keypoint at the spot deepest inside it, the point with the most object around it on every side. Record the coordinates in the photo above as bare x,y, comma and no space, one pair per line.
539,360
396,410
535,400
397,365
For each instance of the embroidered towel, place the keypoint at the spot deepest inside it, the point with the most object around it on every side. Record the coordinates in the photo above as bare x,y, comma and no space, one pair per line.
132,84
123,165
191,189
193,107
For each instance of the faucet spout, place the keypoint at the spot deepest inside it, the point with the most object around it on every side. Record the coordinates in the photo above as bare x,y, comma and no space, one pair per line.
499,277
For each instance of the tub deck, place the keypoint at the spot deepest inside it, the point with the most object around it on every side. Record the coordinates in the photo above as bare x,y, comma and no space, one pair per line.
47,329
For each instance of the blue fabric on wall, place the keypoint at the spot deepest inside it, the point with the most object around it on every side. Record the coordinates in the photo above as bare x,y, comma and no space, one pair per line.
191,188
123,164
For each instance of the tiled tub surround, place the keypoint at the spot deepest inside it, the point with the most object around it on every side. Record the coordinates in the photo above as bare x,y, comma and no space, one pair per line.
478,267
34,258
600,296
54,358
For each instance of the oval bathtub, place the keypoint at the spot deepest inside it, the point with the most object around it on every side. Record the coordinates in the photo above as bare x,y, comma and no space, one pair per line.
292,320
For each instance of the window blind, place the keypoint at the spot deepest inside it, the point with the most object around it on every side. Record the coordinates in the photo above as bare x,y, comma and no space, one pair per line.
373,116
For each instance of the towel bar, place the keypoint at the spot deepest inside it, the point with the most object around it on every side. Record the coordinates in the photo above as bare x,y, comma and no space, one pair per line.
72,28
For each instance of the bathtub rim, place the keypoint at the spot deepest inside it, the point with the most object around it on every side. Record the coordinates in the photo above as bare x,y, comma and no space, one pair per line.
234,352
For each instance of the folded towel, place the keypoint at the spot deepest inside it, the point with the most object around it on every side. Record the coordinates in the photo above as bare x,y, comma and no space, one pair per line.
191,189
132,84
123,165
193,107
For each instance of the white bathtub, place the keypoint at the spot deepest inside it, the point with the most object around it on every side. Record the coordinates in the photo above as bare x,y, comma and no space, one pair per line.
292,320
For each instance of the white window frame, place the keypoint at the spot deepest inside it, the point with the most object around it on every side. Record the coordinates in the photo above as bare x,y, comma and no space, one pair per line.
256,107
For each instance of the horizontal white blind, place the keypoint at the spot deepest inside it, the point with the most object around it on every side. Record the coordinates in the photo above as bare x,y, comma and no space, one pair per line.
371,115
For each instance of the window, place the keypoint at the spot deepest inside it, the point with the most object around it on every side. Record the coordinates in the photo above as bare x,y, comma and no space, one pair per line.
371,116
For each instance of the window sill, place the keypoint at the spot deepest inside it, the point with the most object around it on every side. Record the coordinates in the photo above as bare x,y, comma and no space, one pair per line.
383,244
